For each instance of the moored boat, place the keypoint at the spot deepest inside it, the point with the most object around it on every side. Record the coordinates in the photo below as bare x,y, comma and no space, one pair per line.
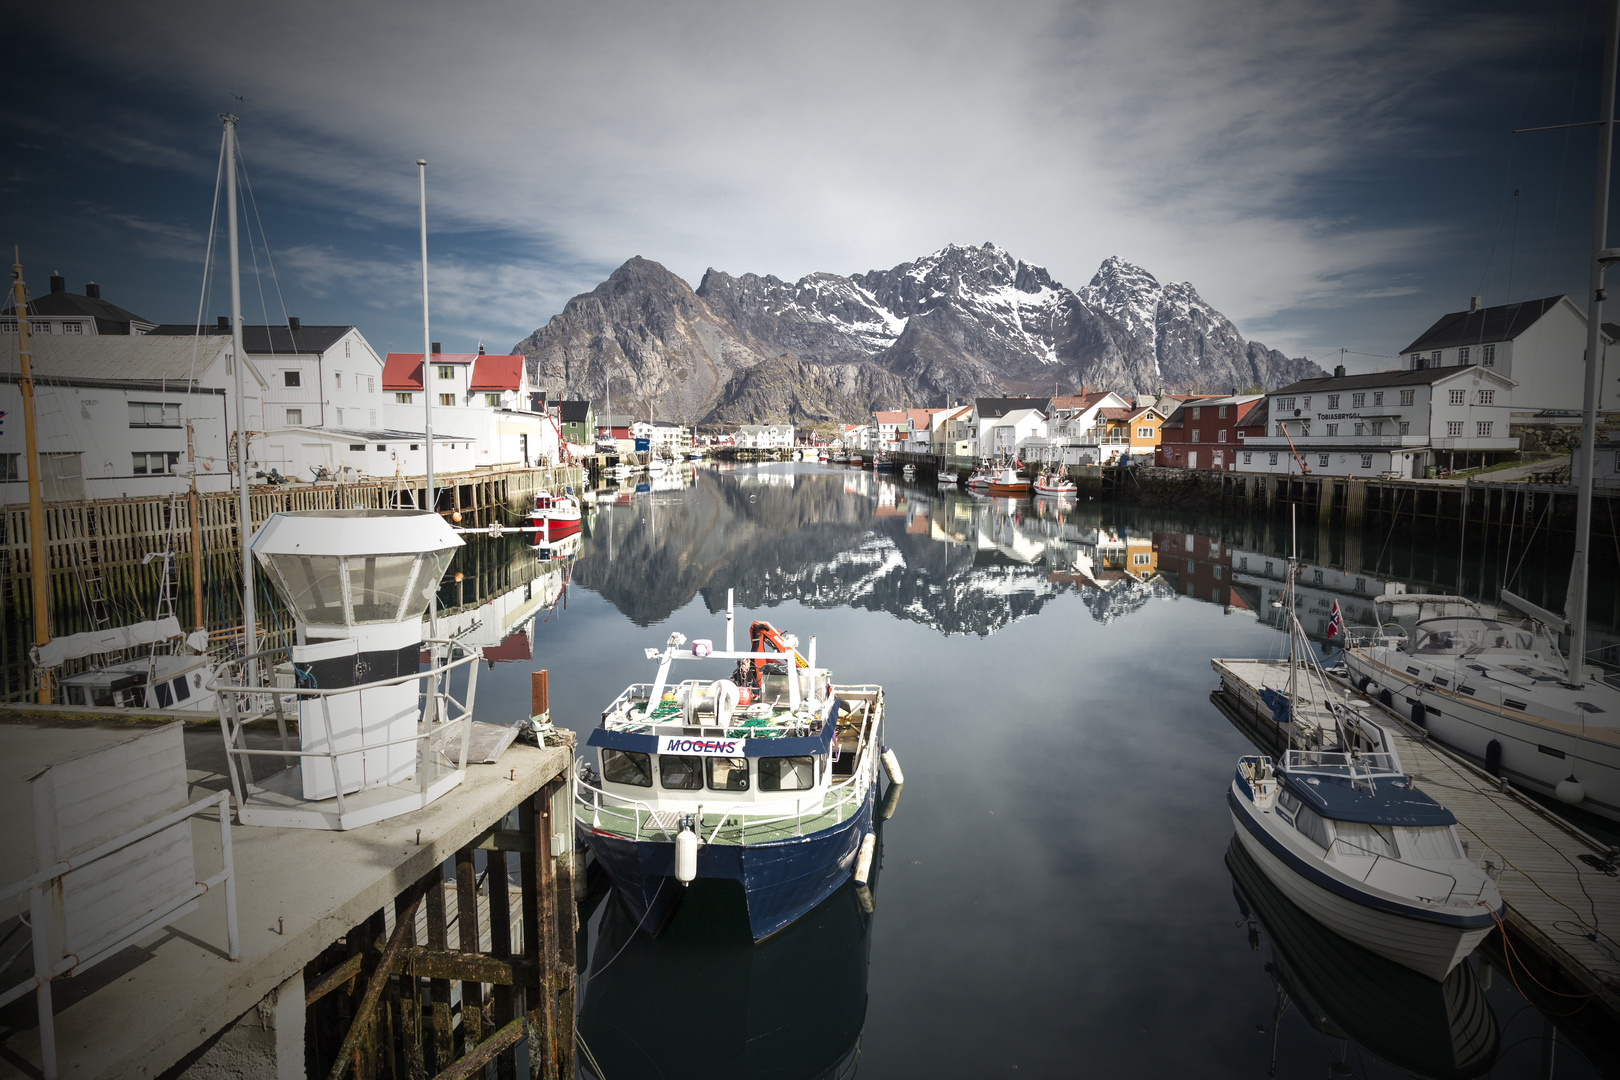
1007,481
767,777
1056,484
909,472
883,463
1349,840
949,477
554,516
979,480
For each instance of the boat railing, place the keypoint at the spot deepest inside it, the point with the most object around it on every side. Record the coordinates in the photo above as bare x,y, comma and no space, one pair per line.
1340,763
1391,635
241,704
1350,847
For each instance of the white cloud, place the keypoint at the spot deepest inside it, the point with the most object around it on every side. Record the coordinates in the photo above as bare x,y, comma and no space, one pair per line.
836,136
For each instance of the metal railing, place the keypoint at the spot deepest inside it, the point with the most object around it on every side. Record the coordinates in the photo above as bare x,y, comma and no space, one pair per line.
441,710
45,895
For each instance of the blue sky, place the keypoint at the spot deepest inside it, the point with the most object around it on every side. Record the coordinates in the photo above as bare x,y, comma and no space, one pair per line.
1328,178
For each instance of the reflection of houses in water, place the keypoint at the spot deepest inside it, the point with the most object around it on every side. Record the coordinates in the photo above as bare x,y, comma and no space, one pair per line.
492,608
1196,565
1265,576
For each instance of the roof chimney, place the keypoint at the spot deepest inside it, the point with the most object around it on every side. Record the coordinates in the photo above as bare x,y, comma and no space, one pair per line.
225,324
480,348
1473,303
92,290
436,349
292,322
58,282
1338,372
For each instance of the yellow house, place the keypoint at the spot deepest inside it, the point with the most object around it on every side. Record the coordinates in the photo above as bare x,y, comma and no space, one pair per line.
1143,428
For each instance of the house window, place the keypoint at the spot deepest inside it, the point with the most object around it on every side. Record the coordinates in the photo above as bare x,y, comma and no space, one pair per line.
447,399
337,379
1333,429
1434,358
39,327
1322,460
1141,559
292,378
1366,461
1358,401
1483,428
1248,457
382,448
9,466
373,420
1406,428
1360,429
1333,401
447,371
357,446
1196,432
162,462
492,400
1307,402
1457,396
1316,577
345,350
1378,397
295,417
1222,412
1407,396
1417,361
1274,459
371,384
403,399
1454,428
1487,355
1221,435
340,416
416,446
151,414
72,328
1378,427
1304,429
1196,413
1462,355
1487,397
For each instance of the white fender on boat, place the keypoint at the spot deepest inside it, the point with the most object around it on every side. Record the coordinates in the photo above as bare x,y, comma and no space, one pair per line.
686,848
1570,790
863,860
863,896
891,765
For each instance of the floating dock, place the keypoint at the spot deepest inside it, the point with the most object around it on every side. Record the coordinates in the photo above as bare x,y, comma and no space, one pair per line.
326,971
1561,886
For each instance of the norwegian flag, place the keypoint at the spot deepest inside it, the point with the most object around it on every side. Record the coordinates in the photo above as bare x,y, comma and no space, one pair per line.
1335,620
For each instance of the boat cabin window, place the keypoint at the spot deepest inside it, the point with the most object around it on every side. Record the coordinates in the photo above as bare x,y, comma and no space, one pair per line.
181,690
377,585
75,695
1435,842
165,695
728,774
1310,823
680,773
1361,838
787,773
627,767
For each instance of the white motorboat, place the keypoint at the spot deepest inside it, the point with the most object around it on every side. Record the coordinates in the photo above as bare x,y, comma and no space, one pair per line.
1497,690
949,477
1055,484
1347,838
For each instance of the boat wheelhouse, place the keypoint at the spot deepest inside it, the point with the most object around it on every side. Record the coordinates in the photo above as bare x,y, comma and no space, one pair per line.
1007,481
765,774
1347,838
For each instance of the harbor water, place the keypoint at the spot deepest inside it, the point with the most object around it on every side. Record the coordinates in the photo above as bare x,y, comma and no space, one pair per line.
1055,894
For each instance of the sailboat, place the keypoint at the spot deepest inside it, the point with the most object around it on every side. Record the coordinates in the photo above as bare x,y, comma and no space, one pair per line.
1501,693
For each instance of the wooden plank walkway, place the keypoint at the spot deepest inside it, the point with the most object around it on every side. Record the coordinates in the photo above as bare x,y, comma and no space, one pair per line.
1560,885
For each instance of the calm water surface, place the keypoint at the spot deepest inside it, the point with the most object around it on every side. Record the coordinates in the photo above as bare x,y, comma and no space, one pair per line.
1054,897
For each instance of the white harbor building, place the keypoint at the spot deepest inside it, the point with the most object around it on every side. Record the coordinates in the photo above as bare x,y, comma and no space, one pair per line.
1395,424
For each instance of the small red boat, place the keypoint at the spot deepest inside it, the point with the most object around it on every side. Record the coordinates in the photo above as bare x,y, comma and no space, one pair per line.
554,516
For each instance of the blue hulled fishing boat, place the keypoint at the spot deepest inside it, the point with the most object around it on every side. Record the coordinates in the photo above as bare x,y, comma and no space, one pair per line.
766,776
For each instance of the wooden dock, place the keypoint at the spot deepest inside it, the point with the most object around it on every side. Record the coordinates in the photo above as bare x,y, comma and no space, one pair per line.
1560,885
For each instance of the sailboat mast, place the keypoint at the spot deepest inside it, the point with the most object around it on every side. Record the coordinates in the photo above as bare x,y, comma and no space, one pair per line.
1575,609
244,515
427,385
37,557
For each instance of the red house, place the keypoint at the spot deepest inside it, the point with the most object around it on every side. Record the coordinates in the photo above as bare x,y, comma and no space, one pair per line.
1207,432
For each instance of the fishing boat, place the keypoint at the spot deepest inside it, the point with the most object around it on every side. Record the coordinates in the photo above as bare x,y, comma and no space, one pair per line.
822,456
979,480
1007,481
765,775
554,516
1497,689
883,463
1055,484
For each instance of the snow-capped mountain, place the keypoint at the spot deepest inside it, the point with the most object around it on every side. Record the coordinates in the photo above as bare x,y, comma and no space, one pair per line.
959,323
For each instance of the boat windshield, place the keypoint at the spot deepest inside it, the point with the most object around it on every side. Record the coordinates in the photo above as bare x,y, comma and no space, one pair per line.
1460,635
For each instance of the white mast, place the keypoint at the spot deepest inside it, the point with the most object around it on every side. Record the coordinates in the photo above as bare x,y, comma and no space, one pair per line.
427,385
1575,606
244,515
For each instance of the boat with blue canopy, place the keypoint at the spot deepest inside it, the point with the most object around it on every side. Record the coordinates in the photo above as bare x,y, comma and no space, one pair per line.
766,775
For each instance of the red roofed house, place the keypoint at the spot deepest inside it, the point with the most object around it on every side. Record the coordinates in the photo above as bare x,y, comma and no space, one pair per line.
482,397
1205,433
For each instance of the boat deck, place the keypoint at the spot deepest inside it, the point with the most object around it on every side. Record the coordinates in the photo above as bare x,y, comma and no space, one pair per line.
1561,886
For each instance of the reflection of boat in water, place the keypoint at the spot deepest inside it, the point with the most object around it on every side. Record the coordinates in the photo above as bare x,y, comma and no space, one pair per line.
1442,1030
790,1008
